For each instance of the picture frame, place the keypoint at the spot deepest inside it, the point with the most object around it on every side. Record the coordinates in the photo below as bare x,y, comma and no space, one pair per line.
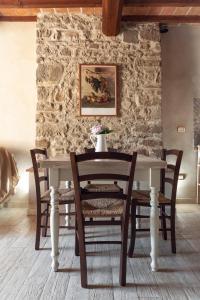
98,90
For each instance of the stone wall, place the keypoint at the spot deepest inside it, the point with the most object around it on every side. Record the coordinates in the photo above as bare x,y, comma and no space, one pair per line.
64,42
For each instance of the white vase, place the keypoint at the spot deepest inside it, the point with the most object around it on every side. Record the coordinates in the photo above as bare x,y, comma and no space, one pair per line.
52,149
99,142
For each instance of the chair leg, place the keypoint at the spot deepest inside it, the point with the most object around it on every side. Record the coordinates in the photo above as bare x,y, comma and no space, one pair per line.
123,254
173,231
82,251
45,223
76,239
121,225
133,230
38,230
163,222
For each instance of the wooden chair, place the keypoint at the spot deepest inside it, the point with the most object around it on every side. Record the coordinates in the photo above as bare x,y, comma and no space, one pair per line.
66,197
102,205
142,199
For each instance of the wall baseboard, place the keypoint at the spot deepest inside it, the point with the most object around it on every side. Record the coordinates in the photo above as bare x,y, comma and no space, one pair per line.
186,201
13,204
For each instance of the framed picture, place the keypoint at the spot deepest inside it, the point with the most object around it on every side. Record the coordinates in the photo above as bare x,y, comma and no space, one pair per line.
98,90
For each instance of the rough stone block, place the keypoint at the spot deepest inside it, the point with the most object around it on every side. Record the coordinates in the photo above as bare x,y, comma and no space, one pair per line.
150,34
51,72
130,36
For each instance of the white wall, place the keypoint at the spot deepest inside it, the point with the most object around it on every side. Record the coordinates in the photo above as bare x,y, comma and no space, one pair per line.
18,95
180,84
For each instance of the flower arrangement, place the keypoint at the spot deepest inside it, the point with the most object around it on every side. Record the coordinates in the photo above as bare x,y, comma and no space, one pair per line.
100,129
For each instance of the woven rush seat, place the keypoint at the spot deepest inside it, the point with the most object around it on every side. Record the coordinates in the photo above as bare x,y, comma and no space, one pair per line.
98,187
62,195
143,197
102,207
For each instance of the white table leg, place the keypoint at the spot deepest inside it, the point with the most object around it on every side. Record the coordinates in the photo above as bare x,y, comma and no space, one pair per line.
68,206
138,211
54,228
138,220
154,229
68,184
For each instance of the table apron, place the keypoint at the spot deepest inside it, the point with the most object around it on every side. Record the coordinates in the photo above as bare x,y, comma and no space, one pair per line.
152,177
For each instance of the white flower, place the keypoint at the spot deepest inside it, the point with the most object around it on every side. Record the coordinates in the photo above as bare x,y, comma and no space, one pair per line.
96,129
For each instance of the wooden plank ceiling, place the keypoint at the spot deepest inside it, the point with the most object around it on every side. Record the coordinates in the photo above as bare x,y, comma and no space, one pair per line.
113,11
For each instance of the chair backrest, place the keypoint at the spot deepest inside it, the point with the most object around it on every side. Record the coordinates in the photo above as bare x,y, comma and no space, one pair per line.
128,177
38,178
92,150
170,175
89,150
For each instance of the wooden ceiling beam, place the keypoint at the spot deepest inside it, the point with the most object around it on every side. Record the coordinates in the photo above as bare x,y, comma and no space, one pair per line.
94,3
50,3
150,3
18,18
132,18
111,16
162,19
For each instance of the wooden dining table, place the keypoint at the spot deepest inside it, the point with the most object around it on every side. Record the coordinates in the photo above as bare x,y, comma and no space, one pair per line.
60,170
